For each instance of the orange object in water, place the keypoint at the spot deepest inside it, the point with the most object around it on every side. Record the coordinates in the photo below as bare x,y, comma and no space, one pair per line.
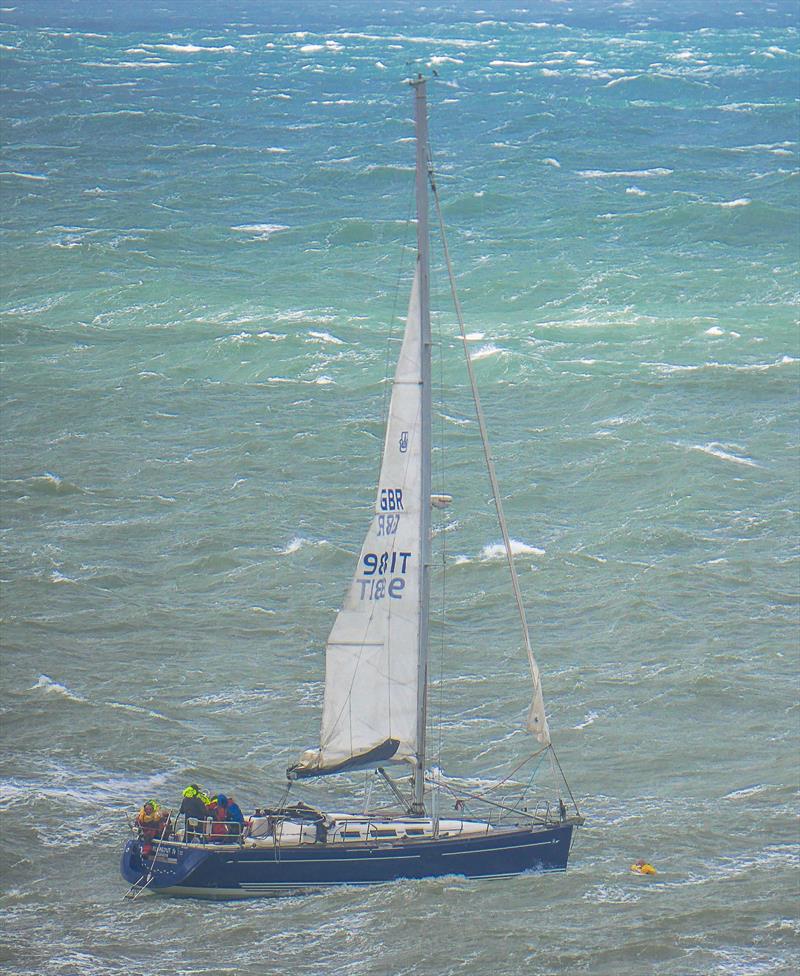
642,867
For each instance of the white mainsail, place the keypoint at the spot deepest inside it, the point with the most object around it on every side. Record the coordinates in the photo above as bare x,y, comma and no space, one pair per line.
371,663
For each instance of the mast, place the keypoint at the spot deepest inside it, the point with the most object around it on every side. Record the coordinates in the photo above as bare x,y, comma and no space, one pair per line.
423,266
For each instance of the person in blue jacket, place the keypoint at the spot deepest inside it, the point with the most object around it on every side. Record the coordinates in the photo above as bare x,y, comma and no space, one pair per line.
235,817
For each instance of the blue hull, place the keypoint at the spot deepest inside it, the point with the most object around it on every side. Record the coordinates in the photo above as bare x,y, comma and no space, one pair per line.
251,872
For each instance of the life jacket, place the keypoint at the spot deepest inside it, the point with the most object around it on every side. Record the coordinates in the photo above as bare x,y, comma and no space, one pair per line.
150,819
220,826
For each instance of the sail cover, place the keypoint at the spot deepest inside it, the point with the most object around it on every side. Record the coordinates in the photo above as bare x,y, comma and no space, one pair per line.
370,709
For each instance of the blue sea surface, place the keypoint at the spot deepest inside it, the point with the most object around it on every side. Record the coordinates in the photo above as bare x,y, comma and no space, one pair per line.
206,253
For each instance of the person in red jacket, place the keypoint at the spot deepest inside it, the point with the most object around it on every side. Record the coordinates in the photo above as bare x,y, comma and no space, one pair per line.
219,827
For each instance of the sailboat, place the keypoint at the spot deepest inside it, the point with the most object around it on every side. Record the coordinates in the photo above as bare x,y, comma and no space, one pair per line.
376,692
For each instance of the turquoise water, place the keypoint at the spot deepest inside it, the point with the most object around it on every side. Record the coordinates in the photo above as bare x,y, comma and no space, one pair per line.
205,258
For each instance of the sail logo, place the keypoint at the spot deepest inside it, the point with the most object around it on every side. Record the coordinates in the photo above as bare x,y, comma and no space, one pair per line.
404,442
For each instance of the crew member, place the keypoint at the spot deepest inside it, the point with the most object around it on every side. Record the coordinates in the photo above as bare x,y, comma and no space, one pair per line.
193,807
152,822
219,827
235,818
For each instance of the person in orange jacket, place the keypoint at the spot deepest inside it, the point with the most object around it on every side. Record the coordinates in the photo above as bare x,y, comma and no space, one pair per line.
152,822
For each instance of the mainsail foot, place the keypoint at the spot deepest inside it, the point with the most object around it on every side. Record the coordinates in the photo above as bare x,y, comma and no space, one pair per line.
312,762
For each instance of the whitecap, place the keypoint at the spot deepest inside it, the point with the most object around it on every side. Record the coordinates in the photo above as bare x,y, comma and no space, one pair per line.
747,791
715,330
293,545
264,230
610,894
512,64
192,48
326,337
438,41
51,687
237,339
549,73
634,191
38,177
668,368
588,719
131,64
49,478
139,710
497,550
741,202
444,59
716,450
56,577
475,336
485,351
458,421
552,162
317,48
298,542
600,174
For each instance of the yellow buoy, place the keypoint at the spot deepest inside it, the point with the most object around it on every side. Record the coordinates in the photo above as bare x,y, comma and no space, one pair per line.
642,867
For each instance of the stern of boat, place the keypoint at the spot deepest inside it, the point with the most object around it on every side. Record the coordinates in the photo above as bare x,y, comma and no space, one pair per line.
165,867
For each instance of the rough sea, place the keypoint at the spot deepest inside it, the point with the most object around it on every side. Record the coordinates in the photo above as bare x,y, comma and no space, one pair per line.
206,257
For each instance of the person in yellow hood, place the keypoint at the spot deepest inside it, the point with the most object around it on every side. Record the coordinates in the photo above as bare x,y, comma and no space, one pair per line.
193,807
152,822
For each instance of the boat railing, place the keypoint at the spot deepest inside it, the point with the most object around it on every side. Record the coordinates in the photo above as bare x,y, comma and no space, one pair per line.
195,831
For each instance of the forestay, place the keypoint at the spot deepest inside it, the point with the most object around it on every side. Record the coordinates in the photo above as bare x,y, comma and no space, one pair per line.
370,708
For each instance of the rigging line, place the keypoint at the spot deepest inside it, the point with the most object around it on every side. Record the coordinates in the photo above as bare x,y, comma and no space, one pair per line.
572,798
541,733
443,489
516,769
480,798
443,536
534,771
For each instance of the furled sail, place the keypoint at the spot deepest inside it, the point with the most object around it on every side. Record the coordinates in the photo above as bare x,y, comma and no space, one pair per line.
370,707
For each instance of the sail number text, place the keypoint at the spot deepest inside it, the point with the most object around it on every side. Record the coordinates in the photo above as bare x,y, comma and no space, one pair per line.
375,585
391,500
388,524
